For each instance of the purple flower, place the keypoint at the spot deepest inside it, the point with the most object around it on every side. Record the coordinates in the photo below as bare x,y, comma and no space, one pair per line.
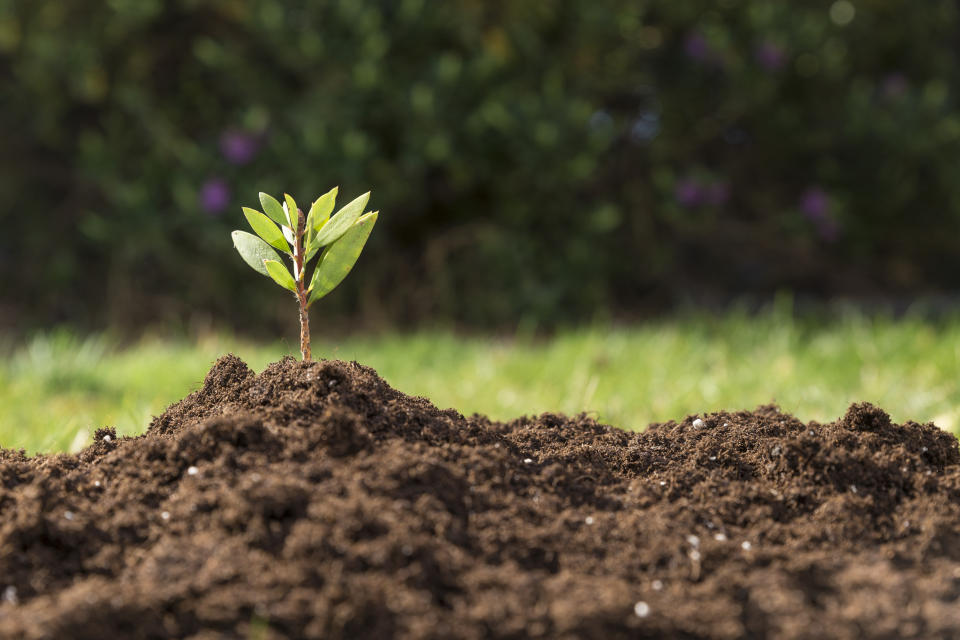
238,147
214,195
688,193
696,47
770,56
716,194
894,85
815,204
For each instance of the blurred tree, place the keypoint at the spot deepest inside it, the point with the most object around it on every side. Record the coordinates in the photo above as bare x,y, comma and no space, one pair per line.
531,159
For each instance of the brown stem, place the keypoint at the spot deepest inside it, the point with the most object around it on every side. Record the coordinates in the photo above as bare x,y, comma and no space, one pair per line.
304,322
298,251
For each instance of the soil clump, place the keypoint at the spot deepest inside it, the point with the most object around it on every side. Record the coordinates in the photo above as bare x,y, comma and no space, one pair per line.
315,501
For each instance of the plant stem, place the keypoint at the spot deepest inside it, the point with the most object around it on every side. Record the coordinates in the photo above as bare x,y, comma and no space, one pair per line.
298,251
304,323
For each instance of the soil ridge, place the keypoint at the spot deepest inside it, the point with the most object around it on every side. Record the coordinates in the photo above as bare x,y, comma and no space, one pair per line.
314,500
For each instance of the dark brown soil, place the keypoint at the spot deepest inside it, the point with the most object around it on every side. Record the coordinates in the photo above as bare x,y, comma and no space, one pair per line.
315,501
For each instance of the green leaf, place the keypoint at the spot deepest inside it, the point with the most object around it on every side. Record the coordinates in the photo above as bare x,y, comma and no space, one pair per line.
339,258
292,211
312,248
253,250
321,208
318,215
280,275
273,209
266,229
341,221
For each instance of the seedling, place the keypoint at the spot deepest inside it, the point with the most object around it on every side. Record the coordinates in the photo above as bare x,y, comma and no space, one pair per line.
284,227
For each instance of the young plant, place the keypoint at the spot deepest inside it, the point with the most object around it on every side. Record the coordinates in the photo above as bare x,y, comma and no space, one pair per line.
283,227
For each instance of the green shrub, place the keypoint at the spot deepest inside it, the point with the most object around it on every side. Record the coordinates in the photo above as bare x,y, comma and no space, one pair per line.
539,159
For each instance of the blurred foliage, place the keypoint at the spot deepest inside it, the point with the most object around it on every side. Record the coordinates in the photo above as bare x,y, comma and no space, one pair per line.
531,159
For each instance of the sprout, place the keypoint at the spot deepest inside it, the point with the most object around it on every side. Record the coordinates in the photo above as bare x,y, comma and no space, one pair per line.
283,227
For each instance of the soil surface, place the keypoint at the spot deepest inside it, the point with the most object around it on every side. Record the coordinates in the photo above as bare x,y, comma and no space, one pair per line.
315,501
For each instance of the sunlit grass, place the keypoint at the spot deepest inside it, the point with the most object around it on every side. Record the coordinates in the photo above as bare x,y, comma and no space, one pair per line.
57,388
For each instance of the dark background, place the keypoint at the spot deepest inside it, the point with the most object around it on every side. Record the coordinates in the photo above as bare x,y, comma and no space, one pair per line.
533,161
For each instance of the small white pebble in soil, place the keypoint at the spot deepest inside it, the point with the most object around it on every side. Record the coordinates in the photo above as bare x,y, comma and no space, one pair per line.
527,460
192,471
726,424
698,423
745,545
96,483
641,609
695,555
853,488
663,483
657,585
588,519
713,458
924,449
693,541
10,595
107,438
165,515
68,515
810,432
720,537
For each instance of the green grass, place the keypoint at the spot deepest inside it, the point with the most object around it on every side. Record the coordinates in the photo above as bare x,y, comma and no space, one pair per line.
57,388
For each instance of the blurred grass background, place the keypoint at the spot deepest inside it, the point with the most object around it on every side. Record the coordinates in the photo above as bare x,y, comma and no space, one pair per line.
59,387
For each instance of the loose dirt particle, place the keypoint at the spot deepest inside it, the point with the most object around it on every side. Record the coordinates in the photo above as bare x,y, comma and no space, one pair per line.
333,506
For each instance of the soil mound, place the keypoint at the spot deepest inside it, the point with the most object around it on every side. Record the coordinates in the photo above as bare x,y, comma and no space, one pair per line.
315,501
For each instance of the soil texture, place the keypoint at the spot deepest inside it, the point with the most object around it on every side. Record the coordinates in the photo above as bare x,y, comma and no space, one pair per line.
315,501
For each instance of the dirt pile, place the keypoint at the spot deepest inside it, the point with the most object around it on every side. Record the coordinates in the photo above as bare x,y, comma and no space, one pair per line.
313,500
